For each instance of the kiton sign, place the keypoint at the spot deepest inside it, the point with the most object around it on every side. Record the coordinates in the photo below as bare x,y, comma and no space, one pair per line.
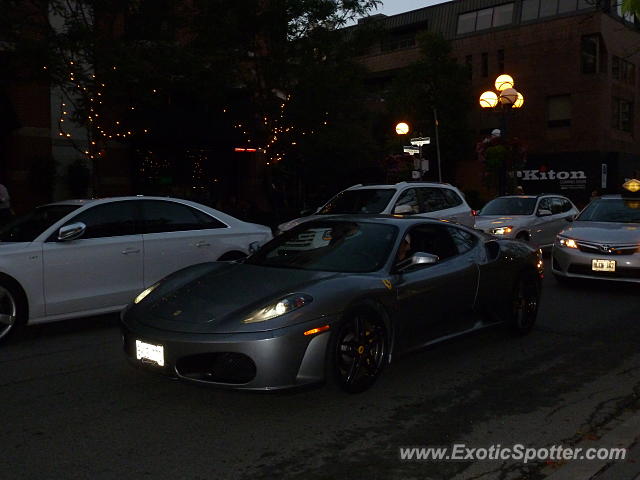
560,179
551,175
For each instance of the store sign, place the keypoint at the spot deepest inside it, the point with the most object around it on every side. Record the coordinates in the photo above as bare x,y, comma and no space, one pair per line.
557,179
551,175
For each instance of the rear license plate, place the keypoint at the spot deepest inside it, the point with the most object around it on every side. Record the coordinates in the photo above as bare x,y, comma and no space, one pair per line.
598,265
148,353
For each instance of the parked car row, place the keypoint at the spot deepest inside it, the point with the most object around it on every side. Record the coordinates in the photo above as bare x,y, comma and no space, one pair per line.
334,296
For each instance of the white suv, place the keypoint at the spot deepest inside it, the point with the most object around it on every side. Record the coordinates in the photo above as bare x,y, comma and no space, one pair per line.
433,200
536,219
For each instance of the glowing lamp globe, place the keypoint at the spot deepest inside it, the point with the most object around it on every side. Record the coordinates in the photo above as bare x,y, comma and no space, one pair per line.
503,82
519,101
402,128
488,99
508,96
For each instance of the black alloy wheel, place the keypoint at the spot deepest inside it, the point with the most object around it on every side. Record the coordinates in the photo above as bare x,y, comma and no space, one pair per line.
358,352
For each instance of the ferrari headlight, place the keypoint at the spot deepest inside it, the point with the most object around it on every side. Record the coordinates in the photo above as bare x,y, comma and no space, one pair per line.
285,305
502,230
567,242
145,292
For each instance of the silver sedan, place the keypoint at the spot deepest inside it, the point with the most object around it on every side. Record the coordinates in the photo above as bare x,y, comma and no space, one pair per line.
603,243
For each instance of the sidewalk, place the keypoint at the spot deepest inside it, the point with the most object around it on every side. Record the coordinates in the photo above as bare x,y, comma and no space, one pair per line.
626,435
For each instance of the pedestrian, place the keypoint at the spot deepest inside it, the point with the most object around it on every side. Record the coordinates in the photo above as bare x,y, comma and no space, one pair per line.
519,190
5,205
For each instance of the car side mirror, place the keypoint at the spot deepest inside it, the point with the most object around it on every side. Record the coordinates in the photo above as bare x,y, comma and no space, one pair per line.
418,258
543,212
71,232
402,209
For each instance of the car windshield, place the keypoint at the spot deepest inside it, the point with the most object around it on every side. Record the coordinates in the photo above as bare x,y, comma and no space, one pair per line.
509,206
370,200
335,246
612,210
27,227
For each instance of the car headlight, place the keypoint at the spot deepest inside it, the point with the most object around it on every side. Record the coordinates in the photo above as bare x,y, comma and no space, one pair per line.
502,230
285,305
567,242
145,292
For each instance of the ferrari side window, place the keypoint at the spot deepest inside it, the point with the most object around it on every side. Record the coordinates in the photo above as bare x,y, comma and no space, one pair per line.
464,241
433,239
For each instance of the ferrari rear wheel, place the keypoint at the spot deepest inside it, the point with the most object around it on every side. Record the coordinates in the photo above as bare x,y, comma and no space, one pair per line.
358,352
524,303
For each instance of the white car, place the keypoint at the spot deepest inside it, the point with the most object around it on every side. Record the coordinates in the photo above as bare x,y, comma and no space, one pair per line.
536,219
86,257
433,200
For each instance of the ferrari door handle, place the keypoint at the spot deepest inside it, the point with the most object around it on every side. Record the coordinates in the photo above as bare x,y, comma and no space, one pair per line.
202,244
128,251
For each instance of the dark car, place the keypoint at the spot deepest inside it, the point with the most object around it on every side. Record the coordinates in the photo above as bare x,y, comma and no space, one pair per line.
331,300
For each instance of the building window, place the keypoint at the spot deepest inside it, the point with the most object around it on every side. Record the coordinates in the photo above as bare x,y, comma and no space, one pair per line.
485,18
623,70
485,65
533,9
615,67
467,22
548,8
622,114
530,9
500,61
590,53
559,111
503,15
567,6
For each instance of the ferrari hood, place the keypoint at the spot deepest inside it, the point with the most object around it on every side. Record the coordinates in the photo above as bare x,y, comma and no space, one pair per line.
604,232
217,300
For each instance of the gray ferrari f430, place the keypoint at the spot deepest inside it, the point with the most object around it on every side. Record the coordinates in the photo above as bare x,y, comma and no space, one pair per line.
333,299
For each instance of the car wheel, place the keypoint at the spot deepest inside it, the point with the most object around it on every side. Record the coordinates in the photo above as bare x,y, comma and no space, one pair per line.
232,256
358,351
524,304
11,312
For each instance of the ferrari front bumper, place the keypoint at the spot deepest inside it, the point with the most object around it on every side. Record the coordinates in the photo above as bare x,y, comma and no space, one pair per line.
277,359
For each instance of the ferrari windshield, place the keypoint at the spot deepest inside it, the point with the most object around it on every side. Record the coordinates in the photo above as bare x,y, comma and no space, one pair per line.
333,246
509,206
370,200
617,210
26,228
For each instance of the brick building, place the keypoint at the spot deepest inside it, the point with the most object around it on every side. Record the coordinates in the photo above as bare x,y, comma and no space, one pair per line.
573,60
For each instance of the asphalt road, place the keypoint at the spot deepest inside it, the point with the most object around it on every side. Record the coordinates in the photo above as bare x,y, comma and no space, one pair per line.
72,407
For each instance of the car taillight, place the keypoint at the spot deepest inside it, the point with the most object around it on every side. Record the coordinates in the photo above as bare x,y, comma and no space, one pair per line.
474,213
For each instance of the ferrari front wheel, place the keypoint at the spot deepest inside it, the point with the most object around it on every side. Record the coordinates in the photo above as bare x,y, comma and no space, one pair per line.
358,351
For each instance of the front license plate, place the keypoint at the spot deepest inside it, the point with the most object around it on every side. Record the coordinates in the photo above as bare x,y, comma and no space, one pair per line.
603,265
146,352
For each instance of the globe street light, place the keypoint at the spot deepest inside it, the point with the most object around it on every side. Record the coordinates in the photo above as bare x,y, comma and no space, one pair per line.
402,128
506,98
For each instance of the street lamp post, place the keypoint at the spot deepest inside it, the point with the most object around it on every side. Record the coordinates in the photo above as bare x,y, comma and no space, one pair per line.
503,101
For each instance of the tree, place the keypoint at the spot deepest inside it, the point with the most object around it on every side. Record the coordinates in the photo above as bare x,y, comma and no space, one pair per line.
436,83
257,71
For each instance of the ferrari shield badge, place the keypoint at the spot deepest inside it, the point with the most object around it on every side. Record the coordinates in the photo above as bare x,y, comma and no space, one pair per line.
387,283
